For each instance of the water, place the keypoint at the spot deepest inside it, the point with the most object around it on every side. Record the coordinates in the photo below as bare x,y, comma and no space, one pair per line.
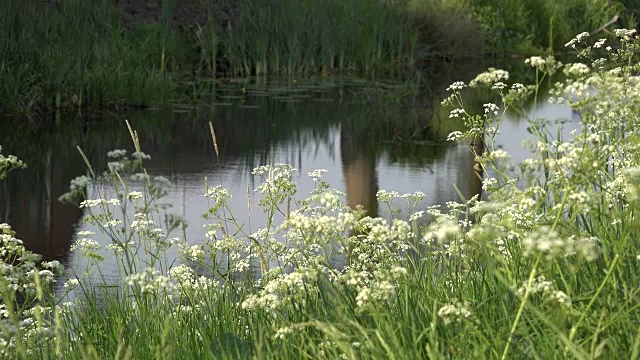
365,140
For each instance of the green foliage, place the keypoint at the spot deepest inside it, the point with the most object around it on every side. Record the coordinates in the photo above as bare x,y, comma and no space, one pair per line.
78,54
365,37
633,8
312,36
531,27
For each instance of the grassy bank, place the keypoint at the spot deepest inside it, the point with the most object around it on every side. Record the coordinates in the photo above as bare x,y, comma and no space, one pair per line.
544,266
77,54
528,27
399,37
385,38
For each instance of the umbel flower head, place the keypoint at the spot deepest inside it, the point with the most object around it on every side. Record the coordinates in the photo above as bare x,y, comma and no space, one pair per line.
8,163
489,78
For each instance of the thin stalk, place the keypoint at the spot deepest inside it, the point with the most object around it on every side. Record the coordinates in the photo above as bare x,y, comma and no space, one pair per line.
523,303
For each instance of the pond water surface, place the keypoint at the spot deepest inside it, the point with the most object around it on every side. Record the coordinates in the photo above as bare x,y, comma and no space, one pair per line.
360,133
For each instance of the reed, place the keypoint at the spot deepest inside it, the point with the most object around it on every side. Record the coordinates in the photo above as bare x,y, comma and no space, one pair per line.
528,27
312,36
399,37
78,54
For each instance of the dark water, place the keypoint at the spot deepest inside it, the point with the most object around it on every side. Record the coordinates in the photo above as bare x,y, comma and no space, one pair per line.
366,135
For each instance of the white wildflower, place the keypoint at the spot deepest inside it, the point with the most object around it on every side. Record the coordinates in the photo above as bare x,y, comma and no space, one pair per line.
458,85
53,265
415,197
416,215
454,136
135,195
140,155
489,78
85,244
112,223
577,40
80,182
536,61
491,108
599,43
562,298
624,34
317,174
150,280
115,166
499,154
455,113
455,312
442,230
385,196
193,253
161,181
282,333
116,154
72,283
539,285
576,70
499,86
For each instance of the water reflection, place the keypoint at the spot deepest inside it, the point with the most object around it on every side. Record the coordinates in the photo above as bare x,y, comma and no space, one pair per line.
359,169
556,117
30,204
365,147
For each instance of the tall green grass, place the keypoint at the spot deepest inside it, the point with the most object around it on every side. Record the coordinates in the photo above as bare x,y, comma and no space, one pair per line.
313,36
77,54
633,8
534,26
398,37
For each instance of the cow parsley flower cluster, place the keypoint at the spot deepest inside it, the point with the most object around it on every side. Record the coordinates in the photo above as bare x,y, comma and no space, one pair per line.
277,185
150,280
25,277
546,290
576,40
9,163
548,242
455,313
489,78
282,290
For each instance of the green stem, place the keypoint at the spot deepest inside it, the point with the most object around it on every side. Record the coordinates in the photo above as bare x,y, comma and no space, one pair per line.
574,329
532,276
560,210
